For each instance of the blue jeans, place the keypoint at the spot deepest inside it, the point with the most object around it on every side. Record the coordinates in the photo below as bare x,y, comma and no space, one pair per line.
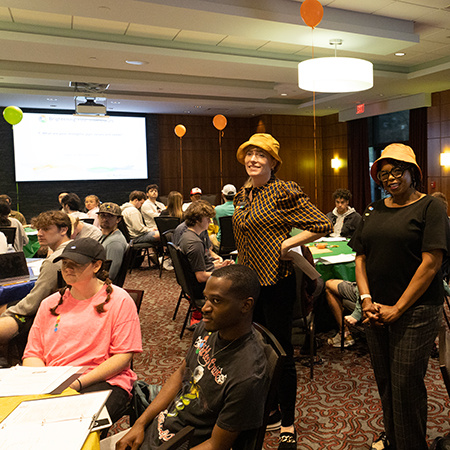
400,354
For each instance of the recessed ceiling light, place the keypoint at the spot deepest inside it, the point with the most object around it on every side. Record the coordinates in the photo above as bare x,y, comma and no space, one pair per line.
400,54
115,103
136,63
52,99
93,58
283,95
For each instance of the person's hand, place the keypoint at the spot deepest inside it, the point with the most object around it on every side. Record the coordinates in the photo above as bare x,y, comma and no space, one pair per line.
226,262
133,439
349,320
389,314
371,313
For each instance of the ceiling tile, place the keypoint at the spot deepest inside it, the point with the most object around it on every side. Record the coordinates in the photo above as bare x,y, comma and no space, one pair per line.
278,47
99,25
41,18
437,18
5,16
242,43
430,3
437,35
399,10
360,6
199,37
151,32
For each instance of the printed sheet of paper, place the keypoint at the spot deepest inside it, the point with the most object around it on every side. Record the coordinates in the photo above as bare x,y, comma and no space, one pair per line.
338,259
52,423
21,380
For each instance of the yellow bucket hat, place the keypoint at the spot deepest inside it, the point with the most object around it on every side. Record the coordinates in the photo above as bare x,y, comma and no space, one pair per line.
263,141
399,152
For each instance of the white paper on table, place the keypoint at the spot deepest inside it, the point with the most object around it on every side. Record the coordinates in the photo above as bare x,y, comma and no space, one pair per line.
52,423
331,239
338,259
35,266
21,380
302,263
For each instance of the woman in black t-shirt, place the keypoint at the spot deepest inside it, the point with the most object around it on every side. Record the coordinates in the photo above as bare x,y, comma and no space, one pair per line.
400,245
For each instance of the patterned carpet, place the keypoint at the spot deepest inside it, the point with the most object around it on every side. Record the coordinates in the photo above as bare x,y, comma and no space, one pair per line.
338,410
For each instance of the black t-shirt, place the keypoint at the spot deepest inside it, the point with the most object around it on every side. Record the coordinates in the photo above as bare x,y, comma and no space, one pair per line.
393,239
224,383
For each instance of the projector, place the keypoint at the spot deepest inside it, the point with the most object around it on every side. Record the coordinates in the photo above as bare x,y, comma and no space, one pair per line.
91,108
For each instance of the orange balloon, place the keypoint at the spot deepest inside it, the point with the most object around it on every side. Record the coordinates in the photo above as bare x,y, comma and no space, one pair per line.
220,122
311,12
180,130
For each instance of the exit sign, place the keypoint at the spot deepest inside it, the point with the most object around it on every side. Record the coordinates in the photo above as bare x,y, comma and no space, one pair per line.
360,108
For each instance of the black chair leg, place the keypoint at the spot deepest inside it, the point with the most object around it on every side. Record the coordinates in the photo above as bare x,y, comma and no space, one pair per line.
185,322
178,305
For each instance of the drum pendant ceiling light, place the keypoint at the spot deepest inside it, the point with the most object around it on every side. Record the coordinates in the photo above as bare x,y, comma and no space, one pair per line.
335,74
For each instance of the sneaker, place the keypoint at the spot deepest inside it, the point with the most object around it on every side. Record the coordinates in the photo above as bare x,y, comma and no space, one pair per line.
288,441
381,443
336,340
274,422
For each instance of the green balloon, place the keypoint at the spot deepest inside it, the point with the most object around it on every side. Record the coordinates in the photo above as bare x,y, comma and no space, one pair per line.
13,115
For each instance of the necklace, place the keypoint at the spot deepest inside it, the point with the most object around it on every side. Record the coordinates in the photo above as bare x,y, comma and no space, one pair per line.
214,354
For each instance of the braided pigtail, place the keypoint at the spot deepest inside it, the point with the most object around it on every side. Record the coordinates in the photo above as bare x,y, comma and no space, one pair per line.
61,292
100,308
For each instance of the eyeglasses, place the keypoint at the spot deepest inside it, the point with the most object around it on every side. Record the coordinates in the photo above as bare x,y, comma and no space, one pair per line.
396,172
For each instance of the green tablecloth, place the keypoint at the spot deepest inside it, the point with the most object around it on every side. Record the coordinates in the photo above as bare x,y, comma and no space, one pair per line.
33,245
342,271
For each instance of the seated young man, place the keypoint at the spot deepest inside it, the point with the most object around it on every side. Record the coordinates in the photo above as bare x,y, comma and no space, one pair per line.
345,219
54,230
343,294
220,388
197,219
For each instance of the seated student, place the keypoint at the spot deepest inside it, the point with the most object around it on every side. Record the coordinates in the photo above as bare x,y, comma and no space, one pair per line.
91,323
221,386
224,210
53,230
151,208
195,195
112,238
14,214
197,219
71,204
342,294
21,238
345,219
92,204
83,229
174,202
139,232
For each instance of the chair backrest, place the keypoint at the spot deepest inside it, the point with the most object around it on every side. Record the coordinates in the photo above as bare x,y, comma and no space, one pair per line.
180,440
122,226
137,295
126,261
165,223
182,270
10,233
444,357
227,242
275,354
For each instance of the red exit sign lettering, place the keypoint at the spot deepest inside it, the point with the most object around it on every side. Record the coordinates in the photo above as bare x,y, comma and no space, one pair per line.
360,108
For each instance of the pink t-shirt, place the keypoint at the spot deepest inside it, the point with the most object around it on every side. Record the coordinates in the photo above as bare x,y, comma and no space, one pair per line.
80,336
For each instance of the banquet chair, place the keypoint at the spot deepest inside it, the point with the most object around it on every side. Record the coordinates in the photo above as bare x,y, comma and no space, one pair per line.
139,248
137,295
126,262
303,312
165,223
227,242
183,275
10,234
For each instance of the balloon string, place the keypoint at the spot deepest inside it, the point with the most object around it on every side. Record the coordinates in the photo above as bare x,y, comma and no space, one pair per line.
221,159
314,128
181,163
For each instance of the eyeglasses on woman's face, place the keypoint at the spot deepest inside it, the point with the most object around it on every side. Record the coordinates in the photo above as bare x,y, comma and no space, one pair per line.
396,172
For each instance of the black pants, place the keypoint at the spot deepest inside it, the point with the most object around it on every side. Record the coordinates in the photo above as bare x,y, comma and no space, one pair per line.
116,404
274,310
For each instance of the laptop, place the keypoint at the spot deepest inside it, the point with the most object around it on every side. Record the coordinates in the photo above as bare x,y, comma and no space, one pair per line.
13,268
